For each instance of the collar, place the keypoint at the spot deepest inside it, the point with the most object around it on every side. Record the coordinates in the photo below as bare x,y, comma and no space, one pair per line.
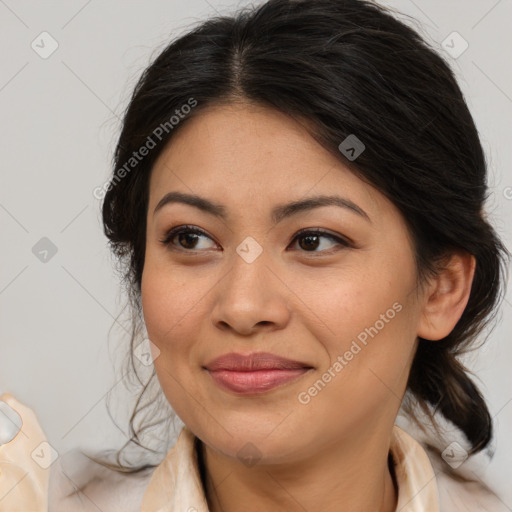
175,484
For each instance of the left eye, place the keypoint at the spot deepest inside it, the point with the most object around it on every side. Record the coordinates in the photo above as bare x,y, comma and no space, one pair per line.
188,237
312,240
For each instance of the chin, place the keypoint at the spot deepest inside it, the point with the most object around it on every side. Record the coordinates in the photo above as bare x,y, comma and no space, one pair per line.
251,442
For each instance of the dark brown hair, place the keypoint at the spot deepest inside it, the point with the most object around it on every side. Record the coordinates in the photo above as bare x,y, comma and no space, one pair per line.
341,67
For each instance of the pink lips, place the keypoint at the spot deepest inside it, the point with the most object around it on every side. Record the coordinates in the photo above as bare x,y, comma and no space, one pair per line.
254,373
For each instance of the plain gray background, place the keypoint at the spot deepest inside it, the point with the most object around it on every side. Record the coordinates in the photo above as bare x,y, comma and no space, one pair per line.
59,121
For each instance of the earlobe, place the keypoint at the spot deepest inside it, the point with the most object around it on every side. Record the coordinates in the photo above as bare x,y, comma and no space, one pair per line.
446,296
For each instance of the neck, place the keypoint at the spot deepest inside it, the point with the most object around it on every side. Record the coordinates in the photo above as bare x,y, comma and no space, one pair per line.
354,475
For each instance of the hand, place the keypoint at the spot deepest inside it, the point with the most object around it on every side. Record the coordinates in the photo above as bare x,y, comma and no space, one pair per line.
23,481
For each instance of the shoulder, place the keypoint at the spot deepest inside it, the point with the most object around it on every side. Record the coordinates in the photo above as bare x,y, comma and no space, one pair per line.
460,486
472,496
78,484
463,491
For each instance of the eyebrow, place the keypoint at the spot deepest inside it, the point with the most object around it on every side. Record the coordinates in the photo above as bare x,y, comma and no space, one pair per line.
279,212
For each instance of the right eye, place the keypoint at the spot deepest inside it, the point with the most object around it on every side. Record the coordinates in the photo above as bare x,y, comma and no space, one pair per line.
187,237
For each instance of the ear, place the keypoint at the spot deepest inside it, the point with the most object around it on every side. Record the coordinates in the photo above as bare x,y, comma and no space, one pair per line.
446,296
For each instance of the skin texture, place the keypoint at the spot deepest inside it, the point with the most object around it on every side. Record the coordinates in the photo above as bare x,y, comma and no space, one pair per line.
304,302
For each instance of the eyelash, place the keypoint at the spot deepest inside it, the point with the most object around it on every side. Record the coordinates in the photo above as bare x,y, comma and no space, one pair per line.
303,233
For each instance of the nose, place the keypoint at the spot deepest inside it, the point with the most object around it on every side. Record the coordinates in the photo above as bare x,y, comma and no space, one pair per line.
251,298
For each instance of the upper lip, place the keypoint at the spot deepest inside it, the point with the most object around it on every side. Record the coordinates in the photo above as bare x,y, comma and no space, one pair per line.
253,362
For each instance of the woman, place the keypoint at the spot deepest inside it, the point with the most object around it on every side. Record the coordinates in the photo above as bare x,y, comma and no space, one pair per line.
297,198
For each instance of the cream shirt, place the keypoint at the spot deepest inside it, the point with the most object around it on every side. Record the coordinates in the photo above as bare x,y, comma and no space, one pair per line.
175,484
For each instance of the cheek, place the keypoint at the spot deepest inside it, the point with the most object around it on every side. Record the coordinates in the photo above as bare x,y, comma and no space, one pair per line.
175,304
371,318
169,301
367,372
170,309
353,300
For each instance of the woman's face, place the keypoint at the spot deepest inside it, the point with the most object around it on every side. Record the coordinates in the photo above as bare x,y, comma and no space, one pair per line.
342,306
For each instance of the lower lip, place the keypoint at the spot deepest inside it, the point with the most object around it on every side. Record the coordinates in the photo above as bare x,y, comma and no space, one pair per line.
255,382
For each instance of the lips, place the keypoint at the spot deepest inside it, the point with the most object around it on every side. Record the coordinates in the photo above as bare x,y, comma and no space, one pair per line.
254,373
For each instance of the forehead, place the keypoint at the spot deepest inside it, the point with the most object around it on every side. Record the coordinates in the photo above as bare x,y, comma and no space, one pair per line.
246,154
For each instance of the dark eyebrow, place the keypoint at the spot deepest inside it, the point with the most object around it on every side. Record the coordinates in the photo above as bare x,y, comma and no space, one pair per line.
279,213
287,210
